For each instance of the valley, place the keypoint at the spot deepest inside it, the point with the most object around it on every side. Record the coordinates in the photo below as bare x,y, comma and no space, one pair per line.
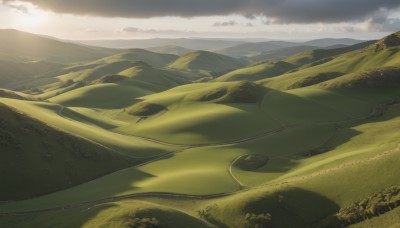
267,134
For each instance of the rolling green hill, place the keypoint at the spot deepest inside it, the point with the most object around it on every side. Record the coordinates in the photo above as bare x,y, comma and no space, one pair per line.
279,53
164,78
257,71
315,143
323,54
5,93
28,46
362,59
377,78
38,153
107,95
12,71
133,55
171,49
325,42
206,62
254,49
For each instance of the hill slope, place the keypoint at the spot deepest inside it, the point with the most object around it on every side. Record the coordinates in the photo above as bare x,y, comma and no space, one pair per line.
47,159
203,61
163,78
320,54
365,57
171,49
254,49
152,58
320,150
14,43
257,71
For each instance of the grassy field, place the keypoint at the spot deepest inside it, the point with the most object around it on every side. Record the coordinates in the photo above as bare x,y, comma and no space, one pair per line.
156,150
207,62
257,71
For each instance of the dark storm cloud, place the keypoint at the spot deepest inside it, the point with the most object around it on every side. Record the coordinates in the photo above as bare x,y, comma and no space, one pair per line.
280,11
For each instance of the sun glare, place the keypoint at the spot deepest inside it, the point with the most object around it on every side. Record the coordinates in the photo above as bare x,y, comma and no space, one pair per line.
32,19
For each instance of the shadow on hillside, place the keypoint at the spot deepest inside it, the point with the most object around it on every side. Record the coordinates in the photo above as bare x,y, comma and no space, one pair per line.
293,207
103,189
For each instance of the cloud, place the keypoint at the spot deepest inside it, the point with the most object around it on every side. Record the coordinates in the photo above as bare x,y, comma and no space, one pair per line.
21,7
377,22
152,31
278,11
225,24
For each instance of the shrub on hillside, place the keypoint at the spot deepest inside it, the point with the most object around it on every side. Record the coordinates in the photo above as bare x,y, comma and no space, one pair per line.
372,206
258,220
144,223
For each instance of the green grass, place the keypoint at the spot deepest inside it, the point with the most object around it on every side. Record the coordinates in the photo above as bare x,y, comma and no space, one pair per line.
12,72
5,93
111,95
171,49
389,219
329,141
206,61
387,77
257,71
133,55
38,153
50,114
14,43
308,57
359,60
121,214
164,78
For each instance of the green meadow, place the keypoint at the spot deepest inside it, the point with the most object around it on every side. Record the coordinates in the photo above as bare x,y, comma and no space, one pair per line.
146,138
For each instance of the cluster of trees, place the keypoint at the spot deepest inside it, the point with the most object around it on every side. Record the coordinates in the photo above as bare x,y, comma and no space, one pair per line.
372,206
144,223
258,220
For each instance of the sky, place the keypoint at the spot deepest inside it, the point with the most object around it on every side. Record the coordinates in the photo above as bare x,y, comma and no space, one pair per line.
234,19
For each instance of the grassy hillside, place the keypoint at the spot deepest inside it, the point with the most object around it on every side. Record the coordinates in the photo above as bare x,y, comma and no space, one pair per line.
325,42
254,49
321,54
376,78
171,49
34,47
132,55
207,62
4,93
107,95
72,78
279,53
163,78
257,71
313,146
95,72
13,71
47,159
359,60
